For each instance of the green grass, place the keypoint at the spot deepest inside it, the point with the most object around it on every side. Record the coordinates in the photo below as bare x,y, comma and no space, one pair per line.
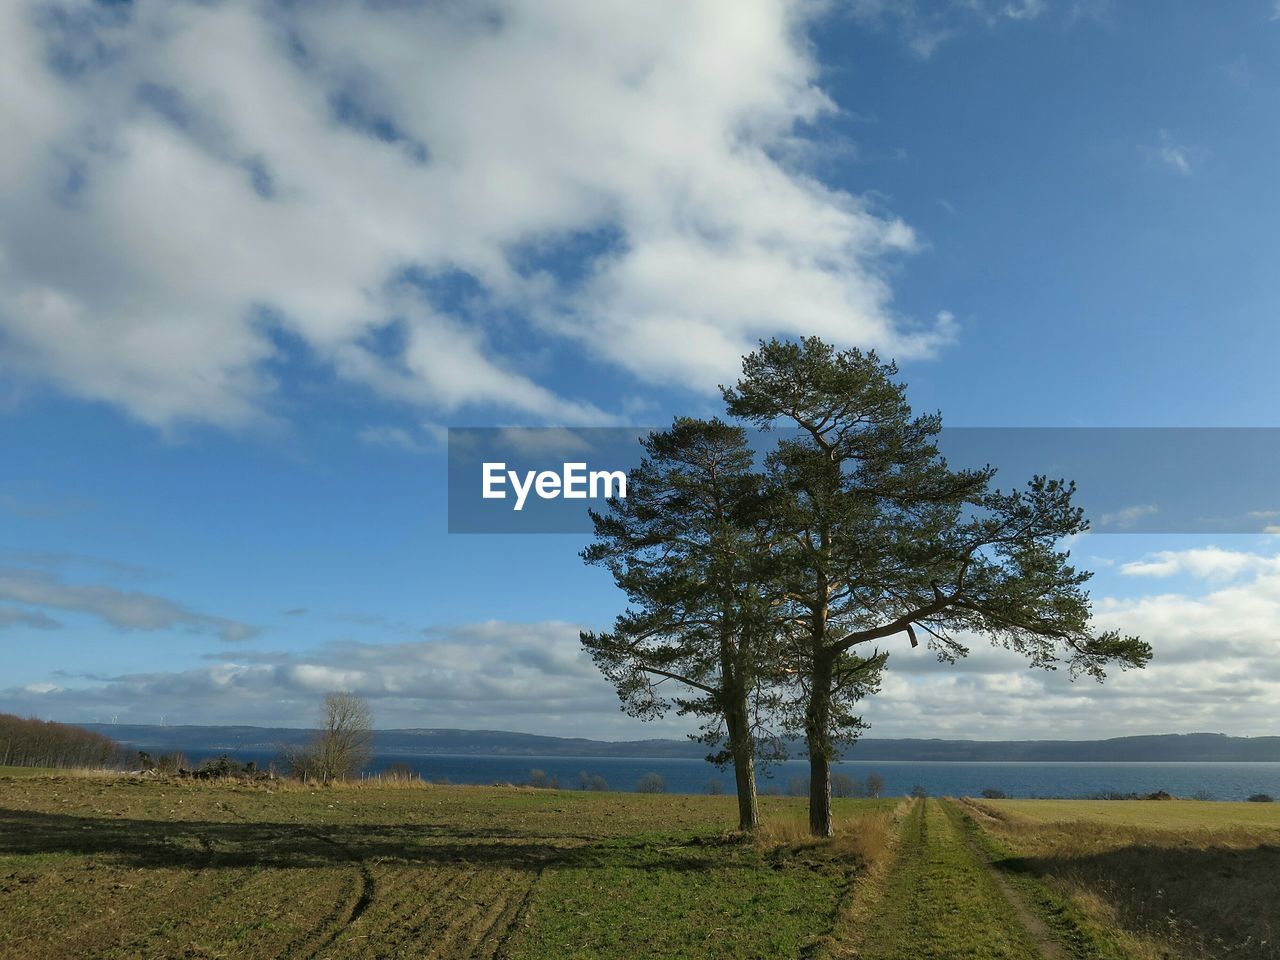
646,897
1080,934
51,772
1188,879
941,901
121,867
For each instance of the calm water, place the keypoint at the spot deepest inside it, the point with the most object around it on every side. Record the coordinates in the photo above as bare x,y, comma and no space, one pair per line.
1223,781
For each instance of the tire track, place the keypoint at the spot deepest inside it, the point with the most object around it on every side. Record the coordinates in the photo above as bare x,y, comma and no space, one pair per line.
1046,943
339,919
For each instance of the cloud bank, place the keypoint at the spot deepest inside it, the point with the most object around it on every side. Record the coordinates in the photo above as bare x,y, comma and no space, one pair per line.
1215,669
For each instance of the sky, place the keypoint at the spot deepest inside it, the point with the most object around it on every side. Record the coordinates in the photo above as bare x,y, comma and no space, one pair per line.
257,257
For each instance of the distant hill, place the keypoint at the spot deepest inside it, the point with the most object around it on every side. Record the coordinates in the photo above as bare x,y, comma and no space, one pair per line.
1168,747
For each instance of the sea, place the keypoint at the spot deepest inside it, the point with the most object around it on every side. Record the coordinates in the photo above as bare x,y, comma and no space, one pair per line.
1216,781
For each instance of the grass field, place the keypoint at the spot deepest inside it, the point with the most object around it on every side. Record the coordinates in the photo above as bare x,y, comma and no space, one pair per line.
100,866
1174,878
1153,814
121,868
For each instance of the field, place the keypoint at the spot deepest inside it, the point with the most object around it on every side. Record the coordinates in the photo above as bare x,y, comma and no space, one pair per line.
1175,877
118,867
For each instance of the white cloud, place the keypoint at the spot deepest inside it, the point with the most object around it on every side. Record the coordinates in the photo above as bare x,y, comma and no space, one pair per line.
523,676
121,609
1215,669
197,185
1215,666
1210,563
1173,155
1126,517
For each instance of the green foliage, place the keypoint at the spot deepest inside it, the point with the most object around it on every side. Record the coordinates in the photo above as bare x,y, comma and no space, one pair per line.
874,536
767,590
686,546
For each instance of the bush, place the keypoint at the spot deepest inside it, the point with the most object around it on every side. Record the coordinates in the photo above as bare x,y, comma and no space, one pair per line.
1262,798
591,781
843,785
400,771
539,779
991,793
172,763
919,792
714,787
651,783
798,787
875,785
219,768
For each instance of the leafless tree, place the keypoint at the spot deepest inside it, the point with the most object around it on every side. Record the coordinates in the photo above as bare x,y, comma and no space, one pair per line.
342,746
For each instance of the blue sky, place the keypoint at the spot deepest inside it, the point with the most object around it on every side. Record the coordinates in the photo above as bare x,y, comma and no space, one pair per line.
256,257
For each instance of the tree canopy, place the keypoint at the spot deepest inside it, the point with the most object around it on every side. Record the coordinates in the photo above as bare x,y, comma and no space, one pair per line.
851,532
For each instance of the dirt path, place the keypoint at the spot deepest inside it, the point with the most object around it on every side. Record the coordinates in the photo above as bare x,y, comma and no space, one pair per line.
944,899
1048,945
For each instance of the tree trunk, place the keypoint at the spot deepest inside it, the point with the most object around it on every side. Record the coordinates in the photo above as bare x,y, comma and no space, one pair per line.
744,768
819,793
818,738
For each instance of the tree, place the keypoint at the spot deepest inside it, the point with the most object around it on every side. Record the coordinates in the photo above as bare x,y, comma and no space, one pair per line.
652,783
843,785
875,785
541,780
28,742
686,546
342,746
876,537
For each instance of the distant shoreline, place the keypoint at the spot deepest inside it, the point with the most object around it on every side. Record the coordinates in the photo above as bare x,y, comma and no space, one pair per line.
1171,748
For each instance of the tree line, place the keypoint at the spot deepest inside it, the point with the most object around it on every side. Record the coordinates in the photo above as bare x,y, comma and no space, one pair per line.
763,586
28,742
